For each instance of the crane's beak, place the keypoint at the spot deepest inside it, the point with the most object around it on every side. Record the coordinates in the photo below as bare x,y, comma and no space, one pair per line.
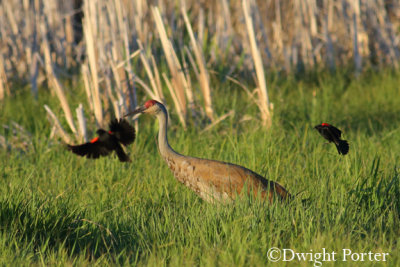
138,110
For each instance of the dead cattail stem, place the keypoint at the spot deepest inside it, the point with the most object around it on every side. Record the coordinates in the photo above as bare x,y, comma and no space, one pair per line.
262,85
223,117
355,30
132,91
250,94
69,32
186,84
178,78
157,75
192,62
117,108
4,89
145,87
90,46
112,98
156,89
56,85
80,115
88,86
203,74
178,105
56,123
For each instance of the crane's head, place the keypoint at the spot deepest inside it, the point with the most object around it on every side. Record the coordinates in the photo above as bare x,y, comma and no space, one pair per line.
152,107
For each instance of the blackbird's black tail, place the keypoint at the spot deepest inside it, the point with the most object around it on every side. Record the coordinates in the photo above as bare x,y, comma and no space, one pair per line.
342,147
122,156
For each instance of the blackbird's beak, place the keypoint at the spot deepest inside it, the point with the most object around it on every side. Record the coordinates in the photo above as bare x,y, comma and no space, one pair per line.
138,110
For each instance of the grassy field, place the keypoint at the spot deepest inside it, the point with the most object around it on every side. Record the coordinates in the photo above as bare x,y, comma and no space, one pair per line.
59,209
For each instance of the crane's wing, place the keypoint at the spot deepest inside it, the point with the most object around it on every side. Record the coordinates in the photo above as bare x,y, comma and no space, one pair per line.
123,131
90,150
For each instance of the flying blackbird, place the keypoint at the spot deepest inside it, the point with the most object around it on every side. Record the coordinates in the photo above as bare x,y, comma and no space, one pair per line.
332,134
121,132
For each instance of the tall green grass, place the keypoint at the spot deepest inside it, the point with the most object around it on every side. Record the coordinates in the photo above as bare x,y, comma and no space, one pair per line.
59,209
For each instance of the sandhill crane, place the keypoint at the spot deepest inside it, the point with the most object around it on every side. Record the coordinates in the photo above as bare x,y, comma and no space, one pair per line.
212,180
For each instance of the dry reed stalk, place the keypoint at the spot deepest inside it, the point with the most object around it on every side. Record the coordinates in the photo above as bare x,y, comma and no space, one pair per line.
356,45
4,89
111,97
11,17
138,19
203,74
178,105
192,62
312,14
145,87
157,91
90,47
186,84
121,86
69,33
86,82
330,56
178,79
128,88
56,85
157,75
200,26
124,88
263,102
34,72
117,108
250,94
133,94
218,120
277,29
56,123
185,69
80,115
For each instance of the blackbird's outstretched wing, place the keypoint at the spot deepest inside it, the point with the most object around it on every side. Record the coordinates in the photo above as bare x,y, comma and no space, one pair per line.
335,131
123,131
90,150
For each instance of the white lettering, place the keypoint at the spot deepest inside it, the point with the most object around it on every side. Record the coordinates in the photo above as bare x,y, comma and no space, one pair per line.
346,252
284,254
324,256
384,256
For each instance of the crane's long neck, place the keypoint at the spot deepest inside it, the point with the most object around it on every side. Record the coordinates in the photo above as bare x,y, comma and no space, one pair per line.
165,149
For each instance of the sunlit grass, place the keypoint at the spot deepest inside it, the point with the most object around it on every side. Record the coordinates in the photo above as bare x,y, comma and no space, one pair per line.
56,208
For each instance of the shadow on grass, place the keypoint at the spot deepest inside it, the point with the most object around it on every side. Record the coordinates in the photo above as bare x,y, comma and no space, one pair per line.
378,192
53,226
